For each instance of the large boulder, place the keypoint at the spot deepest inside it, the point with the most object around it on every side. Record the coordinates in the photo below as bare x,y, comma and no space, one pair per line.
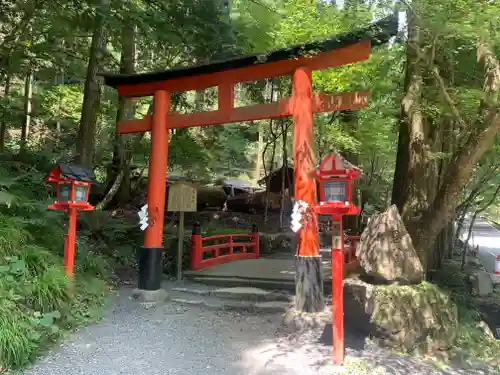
412,318
386,251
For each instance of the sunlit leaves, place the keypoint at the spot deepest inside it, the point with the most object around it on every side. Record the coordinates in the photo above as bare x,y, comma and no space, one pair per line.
186,155
254,23
62,102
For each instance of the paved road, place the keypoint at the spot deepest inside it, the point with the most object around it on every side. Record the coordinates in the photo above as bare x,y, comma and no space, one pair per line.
487,237
173,339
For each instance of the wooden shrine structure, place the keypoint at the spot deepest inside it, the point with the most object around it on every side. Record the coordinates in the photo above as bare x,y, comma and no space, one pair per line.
298,62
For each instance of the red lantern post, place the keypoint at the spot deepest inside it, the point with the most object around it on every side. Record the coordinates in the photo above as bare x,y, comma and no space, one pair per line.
72,185
336,183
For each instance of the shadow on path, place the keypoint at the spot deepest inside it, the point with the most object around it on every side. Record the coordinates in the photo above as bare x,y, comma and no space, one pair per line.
134,339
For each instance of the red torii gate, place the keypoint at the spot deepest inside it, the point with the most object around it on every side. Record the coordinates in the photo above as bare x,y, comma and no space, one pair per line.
298,61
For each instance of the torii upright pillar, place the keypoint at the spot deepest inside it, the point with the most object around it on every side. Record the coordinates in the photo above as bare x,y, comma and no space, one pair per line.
299,61
308,279
151,255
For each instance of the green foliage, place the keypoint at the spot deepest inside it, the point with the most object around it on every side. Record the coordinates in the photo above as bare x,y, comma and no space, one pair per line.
103,233
184,149
182,32
228,149
35,304
62,102
52,40
472,344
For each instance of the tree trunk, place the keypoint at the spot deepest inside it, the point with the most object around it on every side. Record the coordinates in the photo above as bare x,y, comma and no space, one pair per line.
447,147
270,170
3,121
399,185
482,135
199,100
59,80
10,41
465,246
260,147
28,95
415,177
119,174
92,91
284,174
408,186
417,172
270,87
435,168
111,192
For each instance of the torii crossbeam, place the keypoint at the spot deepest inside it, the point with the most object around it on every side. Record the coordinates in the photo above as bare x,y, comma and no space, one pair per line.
298,62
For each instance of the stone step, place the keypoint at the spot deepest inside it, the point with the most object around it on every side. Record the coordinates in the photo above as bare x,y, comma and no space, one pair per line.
232,282
239,299
238,293
238,306
266,284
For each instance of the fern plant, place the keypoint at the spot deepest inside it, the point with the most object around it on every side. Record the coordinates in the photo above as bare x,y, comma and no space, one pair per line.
35,306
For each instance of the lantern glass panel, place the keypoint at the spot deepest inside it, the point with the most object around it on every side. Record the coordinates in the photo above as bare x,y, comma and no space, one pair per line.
64,192
81,193
335,191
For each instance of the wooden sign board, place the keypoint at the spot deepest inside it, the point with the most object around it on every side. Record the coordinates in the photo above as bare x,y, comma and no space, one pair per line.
181,198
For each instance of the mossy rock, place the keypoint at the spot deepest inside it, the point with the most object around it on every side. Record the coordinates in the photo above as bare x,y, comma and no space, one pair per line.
412,318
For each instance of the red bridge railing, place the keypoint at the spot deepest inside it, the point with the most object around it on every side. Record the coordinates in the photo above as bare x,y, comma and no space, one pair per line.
227,248
351,262
213,250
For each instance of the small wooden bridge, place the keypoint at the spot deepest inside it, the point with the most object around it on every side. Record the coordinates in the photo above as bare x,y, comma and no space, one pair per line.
234,260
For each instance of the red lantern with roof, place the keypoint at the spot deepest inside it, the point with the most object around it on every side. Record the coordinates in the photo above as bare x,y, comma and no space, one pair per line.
336,178
72,183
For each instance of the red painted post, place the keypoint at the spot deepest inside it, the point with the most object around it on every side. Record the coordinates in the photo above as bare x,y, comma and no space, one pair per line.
151,255
196,255
338,293
255,240
69,244
308,279
304,158
157,182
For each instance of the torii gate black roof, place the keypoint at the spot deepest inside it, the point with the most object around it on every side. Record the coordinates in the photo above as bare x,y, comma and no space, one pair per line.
377,33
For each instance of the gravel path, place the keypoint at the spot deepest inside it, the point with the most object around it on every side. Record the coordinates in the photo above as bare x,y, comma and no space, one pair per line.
190,340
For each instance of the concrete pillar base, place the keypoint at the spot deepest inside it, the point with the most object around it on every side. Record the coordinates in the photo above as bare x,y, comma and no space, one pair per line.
156,296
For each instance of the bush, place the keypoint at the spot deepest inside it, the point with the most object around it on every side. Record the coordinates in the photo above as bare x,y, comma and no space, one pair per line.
36,306
111,235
